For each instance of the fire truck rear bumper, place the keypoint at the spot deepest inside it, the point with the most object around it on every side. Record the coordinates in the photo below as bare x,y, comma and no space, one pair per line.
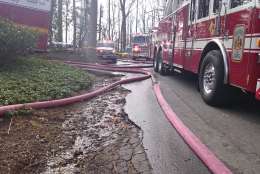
257,94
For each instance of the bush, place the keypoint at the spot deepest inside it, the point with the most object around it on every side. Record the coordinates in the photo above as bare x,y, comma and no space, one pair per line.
15,39
30,79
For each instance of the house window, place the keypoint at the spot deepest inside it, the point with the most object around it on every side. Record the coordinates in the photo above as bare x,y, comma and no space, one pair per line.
203,8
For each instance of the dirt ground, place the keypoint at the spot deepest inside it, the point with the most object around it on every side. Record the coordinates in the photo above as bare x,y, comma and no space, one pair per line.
89,137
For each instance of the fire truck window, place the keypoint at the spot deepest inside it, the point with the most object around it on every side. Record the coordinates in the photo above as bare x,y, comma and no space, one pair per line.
203,8
216,6
236,3
139,39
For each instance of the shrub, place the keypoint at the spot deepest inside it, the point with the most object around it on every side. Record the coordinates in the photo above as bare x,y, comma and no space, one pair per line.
30,79
15,39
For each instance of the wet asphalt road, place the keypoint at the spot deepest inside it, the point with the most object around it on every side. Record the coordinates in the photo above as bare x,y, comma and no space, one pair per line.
167,152
232,133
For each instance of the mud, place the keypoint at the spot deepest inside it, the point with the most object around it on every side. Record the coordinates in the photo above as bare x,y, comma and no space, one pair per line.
89,137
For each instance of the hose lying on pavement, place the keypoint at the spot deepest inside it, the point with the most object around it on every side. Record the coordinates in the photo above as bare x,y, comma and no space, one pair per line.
201,150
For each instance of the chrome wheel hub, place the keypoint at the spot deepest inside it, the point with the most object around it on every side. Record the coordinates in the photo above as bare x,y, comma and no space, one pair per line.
209,78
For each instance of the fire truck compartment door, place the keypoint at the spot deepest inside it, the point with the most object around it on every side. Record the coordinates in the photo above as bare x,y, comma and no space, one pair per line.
239,45
180,39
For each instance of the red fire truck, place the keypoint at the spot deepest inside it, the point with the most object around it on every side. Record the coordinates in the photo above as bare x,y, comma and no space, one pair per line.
217,39
31,13
140,46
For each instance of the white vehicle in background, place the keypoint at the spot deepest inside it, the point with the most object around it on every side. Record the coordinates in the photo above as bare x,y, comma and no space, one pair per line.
106,51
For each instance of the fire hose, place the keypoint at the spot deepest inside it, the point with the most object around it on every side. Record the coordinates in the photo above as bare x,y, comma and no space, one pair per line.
215,165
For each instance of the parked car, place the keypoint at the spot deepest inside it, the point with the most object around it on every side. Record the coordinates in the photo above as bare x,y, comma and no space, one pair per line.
106,51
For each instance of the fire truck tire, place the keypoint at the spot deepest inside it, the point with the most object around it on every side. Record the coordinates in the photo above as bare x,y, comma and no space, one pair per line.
161,67
155,65
211,79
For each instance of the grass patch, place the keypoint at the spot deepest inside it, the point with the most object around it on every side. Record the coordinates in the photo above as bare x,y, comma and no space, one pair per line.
24,80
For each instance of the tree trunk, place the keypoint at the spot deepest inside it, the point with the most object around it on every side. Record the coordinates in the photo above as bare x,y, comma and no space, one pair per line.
100,22
137,11
125,13
53,5
123,30
113,21
60,32
92,30
74,26
66,21
109,19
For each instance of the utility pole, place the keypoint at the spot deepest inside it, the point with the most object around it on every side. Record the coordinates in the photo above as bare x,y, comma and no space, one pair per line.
137,11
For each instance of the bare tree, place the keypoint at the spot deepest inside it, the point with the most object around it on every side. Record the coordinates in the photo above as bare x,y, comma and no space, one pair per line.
144,18
100,22
113,8
92,29
125,11
74,25
67,12
52,15
59,22
109,19
137,16
131,20
119,31
83,22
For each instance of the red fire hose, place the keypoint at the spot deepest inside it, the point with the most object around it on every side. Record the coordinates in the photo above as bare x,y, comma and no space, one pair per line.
201,150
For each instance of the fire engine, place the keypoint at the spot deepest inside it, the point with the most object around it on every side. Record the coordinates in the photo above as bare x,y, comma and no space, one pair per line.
33,14
140,46
217,39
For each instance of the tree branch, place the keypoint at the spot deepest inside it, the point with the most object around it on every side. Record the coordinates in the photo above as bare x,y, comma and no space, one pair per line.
130,7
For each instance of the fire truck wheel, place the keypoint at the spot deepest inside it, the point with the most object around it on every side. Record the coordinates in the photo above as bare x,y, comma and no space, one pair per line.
161,67
211,78
155,64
